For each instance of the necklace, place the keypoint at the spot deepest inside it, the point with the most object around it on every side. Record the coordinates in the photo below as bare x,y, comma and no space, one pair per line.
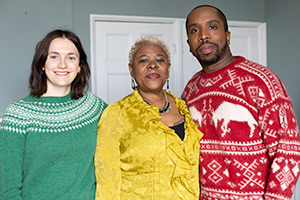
167,107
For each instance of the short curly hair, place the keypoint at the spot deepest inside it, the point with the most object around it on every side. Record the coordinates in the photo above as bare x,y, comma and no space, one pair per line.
148,40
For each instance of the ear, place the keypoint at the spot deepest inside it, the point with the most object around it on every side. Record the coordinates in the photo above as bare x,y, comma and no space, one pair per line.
130,69
187,41
169,67
43,68
228,35
79,69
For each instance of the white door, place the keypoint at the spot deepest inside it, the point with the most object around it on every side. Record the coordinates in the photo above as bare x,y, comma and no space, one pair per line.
113,40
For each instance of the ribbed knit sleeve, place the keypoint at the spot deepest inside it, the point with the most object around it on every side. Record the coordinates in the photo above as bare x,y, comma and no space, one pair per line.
281,138
11,161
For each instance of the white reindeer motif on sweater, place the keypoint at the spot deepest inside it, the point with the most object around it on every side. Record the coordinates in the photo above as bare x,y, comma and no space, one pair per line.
227,112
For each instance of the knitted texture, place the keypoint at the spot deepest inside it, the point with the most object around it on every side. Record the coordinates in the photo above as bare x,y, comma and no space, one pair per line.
250,149
47,146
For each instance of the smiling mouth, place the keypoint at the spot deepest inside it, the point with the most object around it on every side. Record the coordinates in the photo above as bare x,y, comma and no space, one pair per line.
61,73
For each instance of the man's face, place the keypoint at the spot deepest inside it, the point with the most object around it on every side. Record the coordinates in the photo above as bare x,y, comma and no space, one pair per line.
207,38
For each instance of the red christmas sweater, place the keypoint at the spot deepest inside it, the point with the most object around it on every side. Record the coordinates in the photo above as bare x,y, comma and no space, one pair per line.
251,146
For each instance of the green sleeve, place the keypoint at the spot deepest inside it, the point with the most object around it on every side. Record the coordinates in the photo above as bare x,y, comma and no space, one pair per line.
11,161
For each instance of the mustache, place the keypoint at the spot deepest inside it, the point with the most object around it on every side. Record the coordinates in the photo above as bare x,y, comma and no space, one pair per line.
205,42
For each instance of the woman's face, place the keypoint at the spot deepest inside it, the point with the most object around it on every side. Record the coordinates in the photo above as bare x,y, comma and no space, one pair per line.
62,65
150,68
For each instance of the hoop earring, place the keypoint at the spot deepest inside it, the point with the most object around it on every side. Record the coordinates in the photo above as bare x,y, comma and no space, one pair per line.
132,83
168,83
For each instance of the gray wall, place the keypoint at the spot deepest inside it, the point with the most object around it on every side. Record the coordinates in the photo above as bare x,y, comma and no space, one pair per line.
24,23
283,32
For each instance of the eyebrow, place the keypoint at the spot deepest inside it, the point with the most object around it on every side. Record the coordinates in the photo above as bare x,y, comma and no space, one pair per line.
213,21
157,55
71,53
208,22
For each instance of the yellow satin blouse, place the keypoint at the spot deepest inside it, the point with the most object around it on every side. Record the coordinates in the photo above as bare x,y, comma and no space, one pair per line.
139,157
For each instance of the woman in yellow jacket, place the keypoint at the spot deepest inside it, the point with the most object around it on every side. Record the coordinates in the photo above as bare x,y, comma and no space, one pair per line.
148,145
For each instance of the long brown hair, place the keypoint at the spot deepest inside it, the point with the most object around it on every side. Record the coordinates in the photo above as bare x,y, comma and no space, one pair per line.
38,78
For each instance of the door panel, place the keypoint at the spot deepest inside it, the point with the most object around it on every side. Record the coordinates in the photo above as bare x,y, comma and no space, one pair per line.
113,42
244,42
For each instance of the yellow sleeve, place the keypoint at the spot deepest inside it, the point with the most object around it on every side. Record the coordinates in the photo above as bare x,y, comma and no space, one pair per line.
107,155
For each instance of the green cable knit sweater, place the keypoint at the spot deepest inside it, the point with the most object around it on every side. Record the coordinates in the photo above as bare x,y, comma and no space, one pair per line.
47,147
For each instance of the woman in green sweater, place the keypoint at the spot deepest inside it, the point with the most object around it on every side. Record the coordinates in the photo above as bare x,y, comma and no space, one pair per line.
48,139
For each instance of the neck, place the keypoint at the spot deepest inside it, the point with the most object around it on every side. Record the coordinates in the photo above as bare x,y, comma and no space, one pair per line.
154,98
166,107
57,92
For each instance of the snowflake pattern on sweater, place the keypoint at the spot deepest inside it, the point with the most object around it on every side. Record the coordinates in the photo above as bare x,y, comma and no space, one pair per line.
251,146
38,115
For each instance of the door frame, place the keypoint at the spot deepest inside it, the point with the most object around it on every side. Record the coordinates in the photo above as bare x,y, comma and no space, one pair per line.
177,23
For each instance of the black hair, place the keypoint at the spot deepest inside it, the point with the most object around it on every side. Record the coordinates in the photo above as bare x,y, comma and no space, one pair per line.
220,14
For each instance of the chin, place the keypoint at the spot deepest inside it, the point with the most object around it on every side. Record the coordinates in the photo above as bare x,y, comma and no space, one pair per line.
208,61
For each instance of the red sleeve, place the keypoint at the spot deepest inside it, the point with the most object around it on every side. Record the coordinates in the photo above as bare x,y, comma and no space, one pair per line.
280,133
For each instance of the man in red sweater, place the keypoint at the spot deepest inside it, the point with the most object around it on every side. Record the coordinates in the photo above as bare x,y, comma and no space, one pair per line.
251,145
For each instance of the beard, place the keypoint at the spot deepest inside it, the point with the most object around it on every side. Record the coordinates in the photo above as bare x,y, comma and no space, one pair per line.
215,58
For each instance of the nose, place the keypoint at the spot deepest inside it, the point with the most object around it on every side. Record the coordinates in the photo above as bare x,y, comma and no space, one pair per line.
63,64
152,64
204,35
